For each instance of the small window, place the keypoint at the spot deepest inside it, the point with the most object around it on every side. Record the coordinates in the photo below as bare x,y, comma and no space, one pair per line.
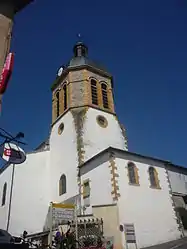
153,177
57,104
65,96
94,92
133,173
62,185
86,189
102,121
60,128
4,194
104,95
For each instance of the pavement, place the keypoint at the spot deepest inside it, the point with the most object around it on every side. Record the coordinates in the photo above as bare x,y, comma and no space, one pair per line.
177,244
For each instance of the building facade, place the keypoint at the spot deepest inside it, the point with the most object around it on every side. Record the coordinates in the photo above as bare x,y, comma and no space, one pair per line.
141,189
86,155
8,10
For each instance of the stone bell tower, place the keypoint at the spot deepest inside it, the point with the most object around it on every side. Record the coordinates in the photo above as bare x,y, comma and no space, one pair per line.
84,121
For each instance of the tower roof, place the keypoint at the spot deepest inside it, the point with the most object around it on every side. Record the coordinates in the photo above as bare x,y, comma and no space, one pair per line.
81,60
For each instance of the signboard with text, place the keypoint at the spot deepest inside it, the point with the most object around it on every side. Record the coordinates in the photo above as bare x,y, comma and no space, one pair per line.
62,213
129,233
12,153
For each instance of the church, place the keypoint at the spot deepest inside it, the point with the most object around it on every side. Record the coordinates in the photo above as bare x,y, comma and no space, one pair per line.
86,158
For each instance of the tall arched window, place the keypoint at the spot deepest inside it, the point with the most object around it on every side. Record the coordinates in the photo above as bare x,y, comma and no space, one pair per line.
153,177
94,92
104,95
4,194
133,173
62,185
65,96
57,104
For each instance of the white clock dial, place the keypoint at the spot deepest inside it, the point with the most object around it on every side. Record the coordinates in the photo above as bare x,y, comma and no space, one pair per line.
60,71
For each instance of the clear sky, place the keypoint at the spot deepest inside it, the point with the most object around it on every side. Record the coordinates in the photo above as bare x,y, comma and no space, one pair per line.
142,43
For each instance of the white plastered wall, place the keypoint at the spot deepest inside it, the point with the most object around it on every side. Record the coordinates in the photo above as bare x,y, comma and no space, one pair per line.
97,138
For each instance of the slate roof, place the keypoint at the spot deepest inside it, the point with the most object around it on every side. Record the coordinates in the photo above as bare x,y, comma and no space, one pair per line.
81,60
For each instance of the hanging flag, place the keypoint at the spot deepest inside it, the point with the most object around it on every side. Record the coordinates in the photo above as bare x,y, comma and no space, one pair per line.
6,73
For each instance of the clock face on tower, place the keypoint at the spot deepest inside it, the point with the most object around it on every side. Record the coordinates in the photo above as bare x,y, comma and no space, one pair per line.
60,70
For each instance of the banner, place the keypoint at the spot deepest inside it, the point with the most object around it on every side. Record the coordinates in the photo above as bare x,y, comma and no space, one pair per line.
6,73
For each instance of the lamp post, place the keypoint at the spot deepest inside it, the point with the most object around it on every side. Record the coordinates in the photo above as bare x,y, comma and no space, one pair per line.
10,200
13,155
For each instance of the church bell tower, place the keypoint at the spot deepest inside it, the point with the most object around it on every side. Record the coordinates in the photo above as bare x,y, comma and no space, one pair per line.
84,121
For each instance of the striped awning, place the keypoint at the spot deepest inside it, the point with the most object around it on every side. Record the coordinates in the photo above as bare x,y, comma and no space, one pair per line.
87,220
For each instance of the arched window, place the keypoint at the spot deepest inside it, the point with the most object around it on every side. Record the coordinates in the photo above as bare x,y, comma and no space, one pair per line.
86,189
65,96
104,95
62,185
57,104
133,173
94,92
153,177
4,194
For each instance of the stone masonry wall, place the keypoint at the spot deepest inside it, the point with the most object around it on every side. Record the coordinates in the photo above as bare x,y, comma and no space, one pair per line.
6,15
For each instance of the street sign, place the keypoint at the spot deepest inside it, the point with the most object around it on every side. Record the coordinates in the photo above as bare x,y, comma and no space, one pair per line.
62,213
12,153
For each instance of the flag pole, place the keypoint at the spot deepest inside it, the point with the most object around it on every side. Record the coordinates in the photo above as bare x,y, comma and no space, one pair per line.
76,222
51,224
10,200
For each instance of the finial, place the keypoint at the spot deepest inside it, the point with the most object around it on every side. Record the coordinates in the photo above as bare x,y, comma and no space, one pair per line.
79,36
80,49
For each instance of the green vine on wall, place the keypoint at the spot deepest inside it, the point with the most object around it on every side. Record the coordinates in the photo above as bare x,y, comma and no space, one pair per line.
123,132
79,115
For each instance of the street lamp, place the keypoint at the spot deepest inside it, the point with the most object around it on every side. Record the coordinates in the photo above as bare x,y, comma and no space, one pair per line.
13,154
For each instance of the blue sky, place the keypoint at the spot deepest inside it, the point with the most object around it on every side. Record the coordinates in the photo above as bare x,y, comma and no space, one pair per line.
142,43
